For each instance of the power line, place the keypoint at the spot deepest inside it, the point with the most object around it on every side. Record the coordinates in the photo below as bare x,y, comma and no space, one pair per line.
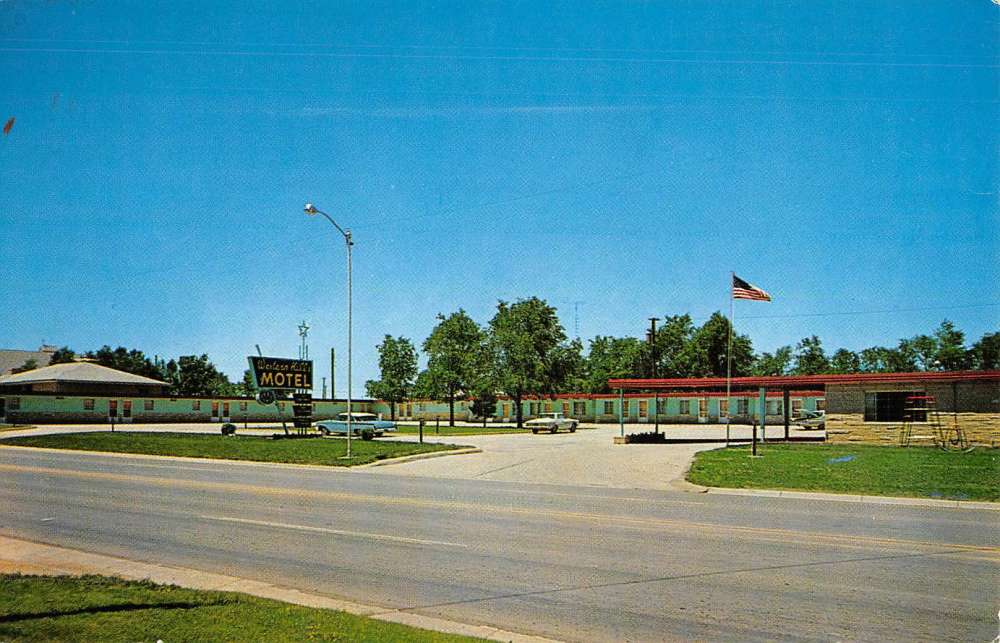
872,312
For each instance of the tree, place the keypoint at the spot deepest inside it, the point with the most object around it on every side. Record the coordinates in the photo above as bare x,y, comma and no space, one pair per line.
196,376
64,355
710,350
131,361
675,351
247,388
921,351
951,353
527,344
776,364
810,359
611,357
845,361
879,359
453,349
397,362
29,365
985,354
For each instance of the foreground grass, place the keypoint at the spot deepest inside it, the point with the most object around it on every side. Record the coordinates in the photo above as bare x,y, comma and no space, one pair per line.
98,608
325,451
862,469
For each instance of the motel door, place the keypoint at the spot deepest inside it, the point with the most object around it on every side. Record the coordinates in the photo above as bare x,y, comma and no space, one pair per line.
127,411
215,411
225,411
3,409
112,409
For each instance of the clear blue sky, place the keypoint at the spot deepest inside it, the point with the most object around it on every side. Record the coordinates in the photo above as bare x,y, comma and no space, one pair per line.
623,155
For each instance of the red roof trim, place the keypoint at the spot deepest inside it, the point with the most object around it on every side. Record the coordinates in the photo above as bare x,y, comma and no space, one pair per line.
806,380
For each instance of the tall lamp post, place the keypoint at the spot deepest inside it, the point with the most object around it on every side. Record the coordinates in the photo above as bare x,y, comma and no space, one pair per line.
312,210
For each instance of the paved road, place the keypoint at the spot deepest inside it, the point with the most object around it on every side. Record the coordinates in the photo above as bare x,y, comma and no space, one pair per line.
576,563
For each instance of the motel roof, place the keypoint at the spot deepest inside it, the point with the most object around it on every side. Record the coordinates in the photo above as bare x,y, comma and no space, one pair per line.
87,372
804,381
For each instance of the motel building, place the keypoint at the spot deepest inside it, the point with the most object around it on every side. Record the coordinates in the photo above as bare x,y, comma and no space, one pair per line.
861,407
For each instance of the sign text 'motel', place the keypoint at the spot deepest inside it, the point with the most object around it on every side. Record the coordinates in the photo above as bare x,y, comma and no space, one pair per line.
275,372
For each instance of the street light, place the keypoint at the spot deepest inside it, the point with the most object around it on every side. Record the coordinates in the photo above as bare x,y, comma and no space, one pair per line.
311,210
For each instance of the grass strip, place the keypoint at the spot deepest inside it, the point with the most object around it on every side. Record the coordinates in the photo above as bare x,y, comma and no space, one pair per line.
323,451
922,472
100,608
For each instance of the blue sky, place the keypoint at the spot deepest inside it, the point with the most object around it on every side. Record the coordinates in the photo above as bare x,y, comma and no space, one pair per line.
622,155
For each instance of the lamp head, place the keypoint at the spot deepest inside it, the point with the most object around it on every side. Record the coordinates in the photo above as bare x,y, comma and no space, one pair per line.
310,209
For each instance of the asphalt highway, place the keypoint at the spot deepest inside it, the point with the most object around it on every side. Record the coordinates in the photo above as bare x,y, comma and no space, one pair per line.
572,563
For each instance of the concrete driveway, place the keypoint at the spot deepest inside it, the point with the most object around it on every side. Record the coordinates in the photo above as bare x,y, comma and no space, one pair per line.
587,457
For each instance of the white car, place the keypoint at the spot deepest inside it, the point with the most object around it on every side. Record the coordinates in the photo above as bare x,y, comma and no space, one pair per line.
551,422
812,420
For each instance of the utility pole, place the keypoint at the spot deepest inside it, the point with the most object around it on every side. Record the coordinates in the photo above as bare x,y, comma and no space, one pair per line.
576,318
652,372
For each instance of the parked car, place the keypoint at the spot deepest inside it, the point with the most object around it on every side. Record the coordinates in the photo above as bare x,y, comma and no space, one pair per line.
812,420
359,423
551,422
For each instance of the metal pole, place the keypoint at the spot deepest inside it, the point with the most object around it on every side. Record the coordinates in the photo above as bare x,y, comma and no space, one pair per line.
786,401
333,380
350,243
729,360
621,411
652,352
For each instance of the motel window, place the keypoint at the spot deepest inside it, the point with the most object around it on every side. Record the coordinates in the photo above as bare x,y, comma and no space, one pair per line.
506,410
723,407
579,408
891,406
685,407
643,408
661,407
548,407
147,405
88,404
625,408
243,406
281,406
821,404
703,408
565,408
196,405
15,403
773,407
743,407
796,407
609,408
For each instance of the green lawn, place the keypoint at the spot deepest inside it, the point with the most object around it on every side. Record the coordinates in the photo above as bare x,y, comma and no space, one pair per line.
924,472
326,451
99,608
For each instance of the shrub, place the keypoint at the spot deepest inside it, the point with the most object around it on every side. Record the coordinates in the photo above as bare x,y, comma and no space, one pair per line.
367,434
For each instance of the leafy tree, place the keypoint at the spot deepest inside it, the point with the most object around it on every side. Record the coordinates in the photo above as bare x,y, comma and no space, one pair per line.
527,344
879,359
131,361
845,361
985,354
29,365
776,364
675,351
64,355
810,358
951,353
198,377
397,362
710,350
612,357
453,349
247,388
921,351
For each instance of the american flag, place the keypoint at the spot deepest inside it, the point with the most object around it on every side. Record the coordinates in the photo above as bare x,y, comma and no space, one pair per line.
746,290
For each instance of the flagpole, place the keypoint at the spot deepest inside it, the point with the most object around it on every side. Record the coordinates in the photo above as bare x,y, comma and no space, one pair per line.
729,359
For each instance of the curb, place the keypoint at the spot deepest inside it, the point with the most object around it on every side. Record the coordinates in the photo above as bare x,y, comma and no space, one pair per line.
256,463
690,487
418,456
25,556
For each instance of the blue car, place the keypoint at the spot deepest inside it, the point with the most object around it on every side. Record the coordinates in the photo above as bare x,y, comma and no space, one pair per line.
359,422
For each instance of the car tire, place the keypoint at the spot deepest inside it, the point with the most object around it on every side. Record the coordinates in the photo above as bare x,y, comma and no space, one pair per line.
534,431
572,428
553,429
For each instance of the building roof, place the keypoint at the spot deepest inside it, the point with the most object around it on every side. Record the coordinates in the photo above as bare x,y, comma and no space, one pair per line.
784,381
11,359
78,372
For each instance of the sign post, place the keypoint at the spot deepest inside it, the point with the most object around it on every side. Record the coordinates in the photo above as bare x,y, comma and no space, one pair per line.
276,375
